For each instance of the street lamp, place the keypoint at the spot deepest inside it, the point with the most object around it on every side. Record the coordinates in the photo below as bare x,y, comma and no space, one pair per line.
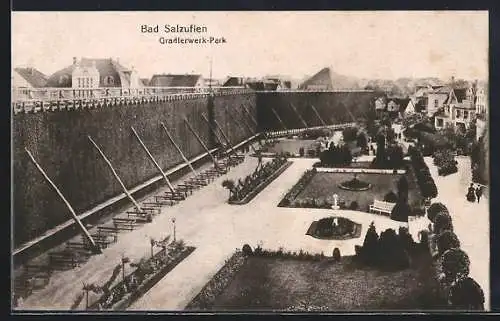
173,222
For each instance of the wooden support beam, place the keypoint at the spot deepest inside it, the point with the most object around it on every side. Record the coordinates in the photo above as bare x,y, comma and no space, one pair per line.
250,115
136,205
317,115
188,163
216,165
94,247
224,136
230,111
153,160
279,118
300,116
215,134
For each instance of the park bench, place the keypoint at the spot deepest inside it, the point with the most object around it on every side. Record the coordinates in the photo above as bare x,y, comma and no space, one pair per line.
79,247
102,239
64,260
105,231
176,196
382,207
139,218
156,204
185,188
124,223
163,199
197,182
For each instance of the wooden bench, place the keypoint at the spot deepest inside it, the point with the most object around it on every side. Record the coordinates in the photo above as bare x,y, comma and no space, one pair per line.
63,260
164,200
382,207
124,223
186,188
176,196
80,247
102,238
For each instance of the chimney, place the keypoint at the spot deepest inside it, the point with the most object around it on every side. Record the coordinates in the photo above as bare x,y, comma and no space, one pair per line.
452,81
75,61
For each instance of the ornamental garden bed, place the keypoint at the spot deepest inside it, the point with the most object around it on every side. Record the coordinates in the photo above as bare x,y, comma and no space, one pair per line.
315,189
304,282
255,183
334,228
148,272
292,148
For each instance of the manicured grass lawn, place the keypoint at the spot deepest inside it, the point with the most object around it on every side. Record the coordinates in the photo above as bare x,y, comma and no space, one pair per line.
324,185
264,283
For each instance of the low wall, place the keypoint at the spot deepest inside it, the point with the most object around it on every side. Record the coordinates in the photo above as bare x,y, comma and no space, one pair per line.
359,170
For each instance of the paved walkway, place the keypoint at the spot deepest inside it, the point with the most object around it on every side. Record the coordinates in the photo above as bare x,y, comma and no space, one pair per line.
216,228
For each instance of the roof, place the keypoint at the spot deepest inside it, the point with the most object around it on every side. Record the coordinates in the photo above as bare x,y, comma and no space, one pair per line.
461,94
329,80
34,77
234,82
441,90
106,67
145,81
174,80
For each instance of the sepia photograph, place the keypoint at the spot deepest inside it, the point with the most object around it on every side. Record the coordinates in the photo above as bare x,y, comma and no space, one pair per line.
262,161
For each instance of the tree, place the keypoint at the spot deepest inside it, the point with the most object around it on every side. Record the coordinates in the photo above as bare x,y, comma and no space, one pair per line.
392,254
362,141
403,188
447,240
369,251
455,264
466,294
229,184
442,222
435,209
391,197
400,211
350,134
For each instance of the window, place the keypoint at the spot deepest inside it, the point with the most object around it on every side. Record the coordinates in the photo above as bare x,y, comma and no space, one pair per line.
439,122
466,114
88,83
436,103
459,114
109,80
63,79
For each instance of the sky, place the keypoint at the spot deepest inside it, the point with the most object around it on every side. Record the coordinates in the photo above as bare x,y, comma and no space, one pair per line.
382,45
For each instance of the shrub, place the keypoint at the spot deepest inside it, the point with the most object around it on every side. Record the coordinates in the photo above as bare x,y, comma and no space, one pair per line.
466,294
392,255
247,250
434,210
370,246
391,197
406,239
400,211
354,206
455,264
336,254
442,222
447,240
301,152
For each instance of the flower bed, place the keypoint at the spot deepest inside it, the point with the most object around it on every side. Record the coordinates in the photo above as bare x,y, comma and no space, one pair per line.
355,185
218,283
297,188
256,185
334,228
146,275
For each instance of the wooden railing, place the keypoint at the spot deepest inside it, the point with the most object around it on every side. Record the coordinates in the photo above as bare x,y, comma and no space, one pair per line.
298,131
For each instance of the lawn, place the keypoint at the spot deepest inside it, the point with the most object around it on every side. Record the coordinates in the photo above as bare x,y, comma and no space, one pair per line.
264,283
324,185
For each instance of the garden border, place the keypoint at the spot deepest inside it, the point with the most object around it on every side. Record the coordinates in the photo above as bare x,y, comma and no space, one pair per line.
147,284
262,185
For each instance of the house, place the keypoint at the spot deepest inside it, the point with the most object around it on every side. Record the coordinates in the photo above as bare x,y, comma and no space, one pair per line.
458,108
380,103
436,99
262,85
234,82
481,104
397,105
25,79
170,80
95,73
326,79
283,82
145,82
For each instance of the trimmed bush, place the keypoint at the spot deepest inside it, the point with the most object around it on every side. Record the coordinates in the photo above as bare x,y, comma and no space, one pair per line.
354,206
401,211
391,197
336,254
301,152
392,254
442,222
447,240
466,294
369,251
435,209
455,264
247,250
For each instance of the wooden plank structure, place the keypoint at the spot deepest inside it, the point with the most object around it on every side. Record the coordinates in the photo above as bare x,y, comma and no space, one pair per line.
240,158
186,161
250,130
94,246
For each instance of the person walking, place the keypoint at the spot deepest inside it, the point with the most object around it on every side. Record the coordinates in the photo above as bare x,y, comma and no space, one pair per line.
471,194
479,192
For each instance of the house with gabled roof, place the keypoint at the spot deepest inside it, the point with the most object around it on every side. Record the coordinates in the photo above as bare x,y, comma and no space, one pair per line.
177,80
458,108
95,73
25,79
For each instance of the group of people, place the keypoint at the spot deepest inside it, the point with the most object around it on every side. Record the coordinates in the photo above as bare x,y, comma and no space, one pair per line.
474,193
